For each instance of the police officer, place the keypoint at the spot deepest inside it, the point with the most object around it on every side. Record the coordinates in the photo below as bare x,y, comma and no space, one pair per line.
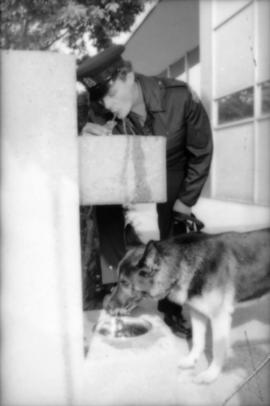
157,106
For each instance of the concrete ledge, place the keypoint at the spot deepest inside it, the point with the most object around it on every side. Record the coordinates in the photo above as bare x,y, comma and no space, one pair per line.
219,215
122,169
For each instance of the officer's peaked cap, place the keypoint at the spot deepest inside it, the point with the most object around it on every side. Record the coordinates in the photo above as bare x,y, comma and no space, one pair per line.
100,68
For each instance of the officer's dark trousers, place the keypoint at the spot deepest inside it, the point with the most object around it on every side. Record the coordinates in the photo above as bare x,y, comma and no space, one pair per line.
166,227
112,239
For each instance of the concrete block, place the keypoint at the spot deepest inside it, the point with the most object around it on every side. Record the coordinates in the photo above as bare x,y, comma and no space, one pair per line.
122,169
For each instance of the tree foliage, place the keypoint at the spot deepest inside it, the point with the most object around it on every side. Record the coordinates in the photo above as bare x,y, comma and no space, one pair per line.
39,24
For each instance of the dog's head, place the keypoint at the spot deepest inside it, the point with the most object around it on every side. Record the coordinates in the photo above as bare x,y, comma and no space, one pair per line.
141,273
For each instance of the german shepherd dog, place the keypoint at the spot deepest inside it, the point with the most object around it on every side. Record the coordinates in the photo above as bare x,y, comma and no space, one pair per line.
209,272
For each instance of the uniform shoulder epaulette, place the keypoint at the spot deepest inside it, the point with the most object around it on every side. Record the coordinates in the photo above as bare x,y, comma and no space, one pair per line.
171,82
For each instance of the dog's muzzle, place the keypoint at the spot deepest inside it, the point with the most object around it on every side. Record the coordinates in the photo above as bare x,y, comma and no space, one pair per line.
116,305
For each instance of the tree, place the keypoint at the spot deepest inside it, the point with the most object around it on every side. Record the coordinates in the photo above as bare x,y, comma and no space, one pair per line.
39,24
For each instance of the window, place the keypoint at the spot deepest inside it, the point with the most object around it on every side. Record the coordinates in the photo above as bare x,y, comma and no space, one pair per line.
177,68
265,97
241,95
194,70
187,69
236,106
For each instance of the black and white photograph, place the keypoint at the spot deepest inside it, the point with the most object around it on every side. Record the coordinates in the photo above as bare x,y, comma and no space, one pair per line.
135,202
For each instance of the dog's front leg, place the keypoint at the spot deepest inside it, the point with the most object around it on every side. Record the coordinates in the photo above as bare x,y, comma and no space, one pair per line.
198,325
221,325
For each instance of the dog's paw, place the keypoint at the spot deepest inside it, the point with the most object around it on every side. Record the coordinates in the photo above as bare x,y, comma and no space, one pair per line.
207,376
187,362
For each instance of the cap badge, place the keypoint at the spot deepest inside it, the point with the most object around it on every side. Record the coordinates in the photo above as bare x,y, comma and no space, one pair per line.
89,82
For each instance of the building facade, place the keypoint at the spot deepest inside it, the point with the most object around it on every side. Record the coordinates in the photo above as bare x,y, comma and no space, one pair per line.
221,48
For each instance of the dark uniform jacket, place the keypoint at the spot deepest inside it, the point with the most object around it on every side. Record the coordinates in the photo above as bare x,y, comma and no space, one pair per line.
176,112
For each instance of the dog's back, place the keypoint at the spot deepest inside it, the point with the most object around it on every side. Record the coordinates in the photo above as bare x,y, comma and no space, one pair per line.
239,259
251,252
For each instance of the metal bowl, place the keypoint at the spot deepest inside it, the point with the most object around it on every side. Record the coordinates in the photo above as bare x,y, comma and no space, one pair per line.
123,327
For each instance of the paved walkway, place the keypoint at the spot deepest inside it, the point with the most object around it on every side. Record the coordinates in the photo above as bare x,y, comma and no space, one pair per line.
143,370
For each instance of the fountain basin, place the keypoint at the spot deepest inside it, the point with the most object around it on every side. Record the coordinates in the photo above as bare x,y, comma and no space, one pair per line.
123,327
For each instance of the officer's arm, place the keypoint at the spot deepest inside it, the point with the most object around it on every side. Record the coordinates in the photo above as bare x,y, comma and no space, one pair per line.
199,148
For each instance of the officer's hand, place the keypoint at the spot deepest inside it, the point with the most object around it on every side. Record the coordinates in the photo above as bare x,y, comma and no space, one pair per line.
180,207
186,223
184,220
96,129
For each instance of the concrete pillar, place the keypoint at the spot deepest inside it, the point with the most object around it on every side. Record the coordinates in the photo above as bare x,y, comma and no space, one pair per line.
41,309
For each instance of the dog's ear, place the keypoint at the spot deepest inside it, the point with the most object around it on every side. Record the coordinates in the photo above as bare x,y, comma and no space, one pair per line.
150,250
